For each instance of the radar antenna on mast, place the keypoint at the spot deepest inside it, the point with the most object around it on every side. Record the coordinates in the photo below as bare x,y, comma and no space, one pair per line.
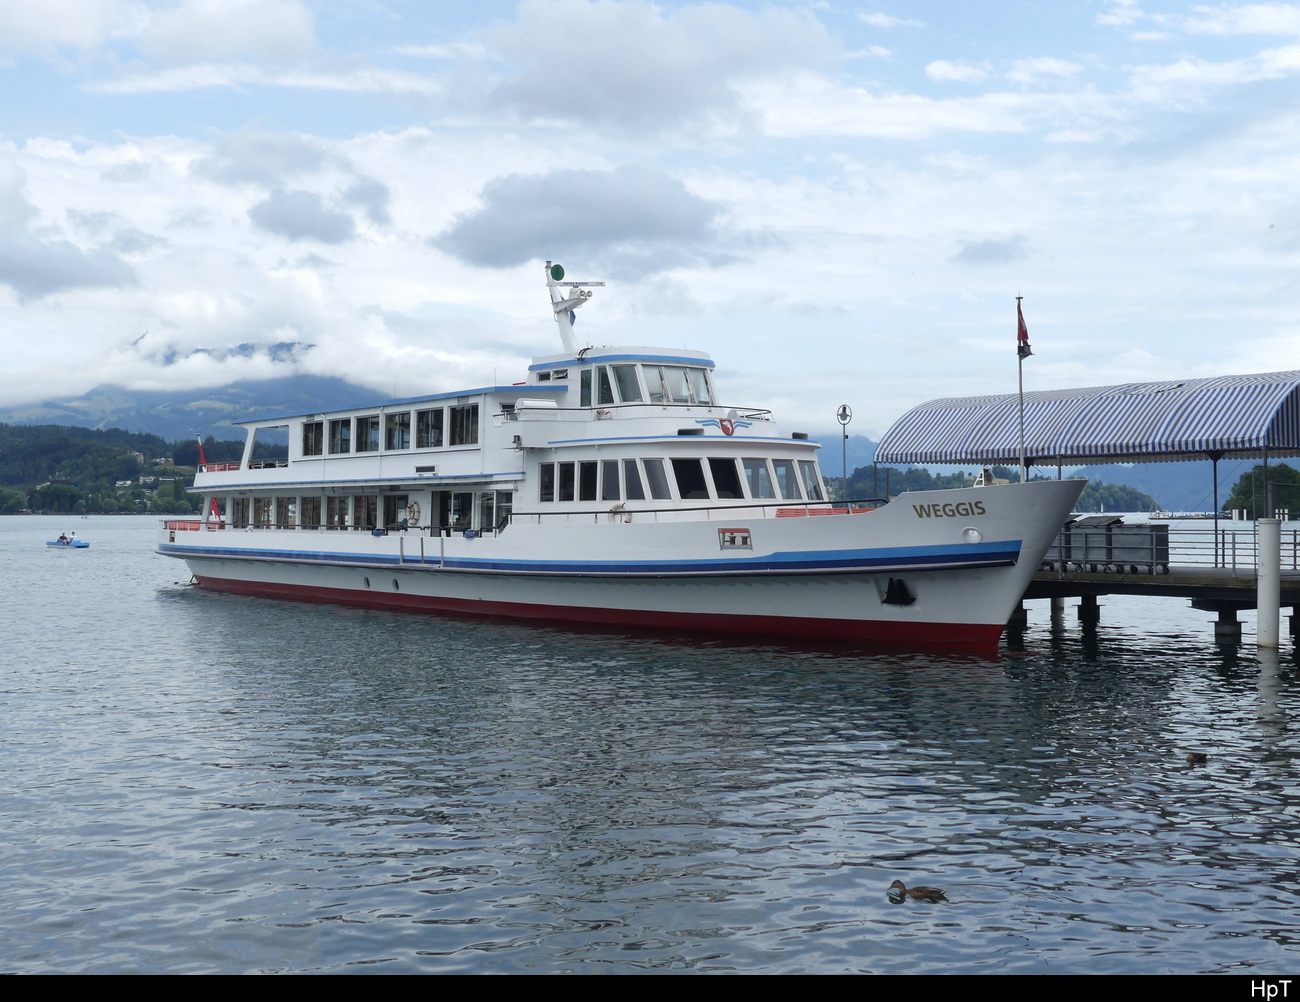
564,302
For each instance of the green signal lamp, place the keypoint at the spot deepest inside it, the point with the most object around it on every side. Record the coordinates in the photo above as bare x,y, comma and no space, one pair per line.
557,273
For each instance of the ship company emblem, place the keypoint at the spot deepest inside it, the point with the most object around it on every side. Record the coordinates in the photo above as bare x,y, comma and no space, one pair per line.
728,425
734,539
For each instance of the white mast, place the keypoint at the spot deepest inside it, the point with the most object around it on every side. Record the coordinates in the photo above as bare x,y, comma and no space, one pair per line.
563,304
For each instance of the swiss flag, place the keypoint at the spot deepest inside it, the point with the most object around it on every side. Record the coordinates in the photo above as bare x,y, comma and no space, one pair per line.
1022,333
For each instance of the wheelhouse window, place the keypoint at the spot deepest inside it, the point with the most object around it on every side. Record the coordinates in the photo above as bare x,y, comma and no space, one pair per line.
368,433
690,479
584,388
811,481
464,425
428,429
567,482
675,384
629,390
786,480
604,388
340,436
725,479
546,482
313,438
397,431
759,478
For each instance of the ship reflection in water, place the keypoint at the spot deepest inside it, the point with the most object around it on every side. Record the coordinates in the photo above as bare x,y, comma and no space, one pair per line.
206,782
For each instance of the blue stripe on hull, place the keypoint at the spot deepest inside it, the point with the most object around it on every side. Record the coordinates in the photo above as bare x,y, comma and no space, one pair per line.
893,559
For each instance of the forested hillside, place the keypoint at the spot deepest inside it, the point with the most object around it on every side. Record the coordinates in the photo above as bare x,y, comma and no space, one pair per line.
60,468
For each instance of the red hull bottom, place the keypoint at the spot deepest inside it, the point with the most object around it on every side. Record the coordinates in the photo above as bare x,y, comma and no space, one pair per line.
963,636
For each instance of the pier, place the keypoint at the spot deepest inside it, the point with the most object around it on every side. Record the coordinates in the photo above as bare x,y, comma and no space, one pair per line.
1215,571
1222,417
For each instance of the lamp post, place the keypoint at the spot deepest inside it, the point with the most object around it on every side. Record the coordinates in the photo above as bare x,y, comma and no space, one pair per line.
844,415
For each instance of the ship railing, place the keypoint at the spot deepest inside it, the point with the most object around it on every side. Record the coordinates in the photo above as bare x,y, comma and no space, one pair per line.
606,411
257,464
623,512
1153,549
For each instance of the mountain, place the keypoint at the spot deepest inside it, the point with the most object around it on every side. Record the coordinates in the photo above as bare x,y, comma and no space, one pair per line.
1176,486
181,414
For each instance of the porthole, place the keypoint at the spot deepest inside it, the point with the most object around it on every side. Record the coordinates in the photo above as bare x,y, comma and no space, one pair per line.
367,581
396,586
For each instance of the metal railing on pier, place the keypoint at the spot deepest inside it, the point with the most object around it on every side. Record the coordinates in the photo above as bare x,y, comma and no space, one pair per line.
1153,549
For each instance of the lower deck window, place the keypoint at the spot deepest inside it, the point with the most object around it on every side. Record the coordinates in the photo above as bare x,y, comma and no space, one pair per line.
787,481
309,512
811,482
365,511
336,512
635,492
657,478
725,479
609,480
587,481
286,512
759,478
690,479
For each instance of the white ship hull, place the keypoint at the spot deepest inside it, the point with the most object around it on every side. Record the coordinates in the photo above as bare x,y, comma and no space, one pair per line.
959,562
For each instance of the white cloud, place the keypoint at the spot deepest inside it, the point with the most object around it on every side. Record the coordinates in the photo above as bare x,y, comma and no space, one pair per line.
871,52
197,77
200,31
1244,19
813,105
39,25
34,264
635,220
1189,77
881,20
1120,13
1030,70
943,69
302,215
633,65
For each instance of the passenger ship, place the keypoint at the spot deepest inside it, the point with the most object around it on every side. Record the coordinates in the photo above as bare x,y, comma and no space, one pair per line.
612,486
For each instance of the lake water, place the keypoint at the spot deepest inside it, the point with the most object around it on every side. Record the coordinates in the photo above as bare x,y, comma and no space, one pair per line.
206,783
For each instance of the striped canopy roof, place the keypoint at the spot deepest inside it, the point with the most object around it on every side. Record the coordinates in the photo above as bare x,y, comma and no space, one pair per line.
1238,416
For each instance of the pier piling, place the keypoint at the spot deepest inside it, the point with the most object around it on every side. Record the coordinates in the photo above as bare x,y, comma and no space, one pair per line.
1268,581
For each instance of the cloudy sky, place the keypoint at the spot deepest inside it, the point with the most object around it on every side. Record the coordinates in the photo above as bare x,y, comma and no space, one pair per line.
840,201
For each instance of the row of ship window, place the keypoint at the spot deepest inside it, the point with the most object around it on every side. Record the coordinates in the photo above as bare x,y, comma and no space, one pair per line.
455,510
603,385
362,434
695,479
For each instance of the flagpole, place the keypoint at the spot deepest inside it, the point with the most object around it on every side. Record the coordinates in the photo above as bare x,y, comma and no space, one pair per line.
1022,349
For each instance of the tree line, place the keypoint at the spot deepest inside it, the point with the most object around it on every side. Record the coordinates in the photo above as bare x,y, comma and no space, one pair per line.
69,470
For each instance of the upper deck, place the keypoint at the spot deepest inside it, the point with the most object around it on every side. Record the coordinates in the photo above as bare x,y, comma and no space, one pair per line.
569,404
